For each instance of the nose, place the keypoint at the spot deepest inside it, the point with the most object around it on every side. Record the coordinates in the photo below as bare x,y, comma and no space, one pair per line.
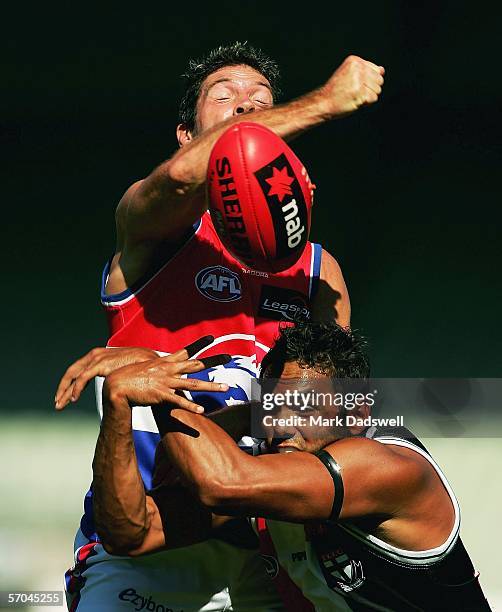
244,106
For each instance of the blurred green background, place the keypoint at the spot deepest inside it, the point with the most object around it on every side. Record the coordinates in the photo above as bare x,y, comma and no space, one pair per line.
408,201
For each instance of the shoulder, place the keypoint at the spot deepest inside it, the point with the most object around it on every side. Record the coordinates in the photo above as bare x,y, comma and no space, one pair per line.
374,455
387,477
123,208
329,265
332,297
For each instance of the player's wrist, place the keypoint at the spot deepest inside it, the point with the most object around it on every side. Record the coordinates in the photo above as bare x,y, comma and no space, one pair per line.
323,105
115,397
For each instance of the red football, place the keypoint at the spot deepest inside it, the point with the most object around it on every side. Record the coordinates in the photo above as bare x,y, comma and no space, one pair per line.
260,197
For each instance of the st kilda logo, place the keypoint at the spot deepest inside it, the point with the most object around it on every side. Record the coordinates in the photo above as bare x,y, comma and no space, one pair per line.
287,206
219,284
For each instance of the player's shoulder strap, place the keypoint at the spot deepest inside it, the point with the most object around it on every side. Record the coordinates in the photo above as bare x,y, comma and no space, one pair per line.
315,268
114,299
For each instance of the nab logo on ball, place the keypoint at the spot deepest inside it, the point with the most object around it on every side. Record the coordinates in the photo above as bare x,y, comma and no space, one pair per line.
286,203
219,284
260,197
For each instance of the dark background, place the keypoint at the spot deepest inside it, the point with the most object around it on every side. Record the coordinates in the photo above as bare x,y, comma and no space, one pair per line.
408,191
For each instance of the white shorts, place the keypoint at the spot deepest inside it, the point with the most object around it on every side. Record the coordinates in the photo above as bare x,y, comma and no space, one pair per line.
209,576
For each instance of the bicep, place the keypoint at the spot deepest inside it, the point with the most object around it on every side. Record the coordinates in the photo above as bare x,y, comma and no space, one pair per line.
332,298
376,480
292,487
298,487
159,207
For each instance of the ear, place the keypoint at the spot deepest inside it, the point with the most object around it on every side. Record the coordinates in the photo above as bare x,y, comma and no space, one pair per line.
183,134
362,412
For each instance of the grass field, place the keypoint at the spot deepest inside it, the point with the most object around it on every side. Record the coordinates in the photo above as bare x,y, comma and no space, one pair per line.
46,469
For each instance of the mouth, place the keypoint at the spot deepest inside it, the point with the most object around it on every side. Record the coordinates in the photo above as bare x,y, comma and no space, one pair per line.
286,448
285,445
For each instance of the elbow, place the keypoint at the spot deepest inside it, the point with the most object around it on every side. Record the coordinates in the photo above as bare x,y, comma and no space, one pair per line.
223,496
181,175
123,545
118,536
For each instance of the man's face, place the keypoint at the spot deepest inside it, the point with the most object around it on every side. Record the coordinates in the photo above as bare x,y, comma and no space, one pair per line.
231,91
304,438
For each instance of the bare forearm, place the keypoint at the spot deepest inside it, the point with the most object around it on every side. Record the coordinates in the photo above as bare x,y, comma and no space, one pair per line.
166,203
287,121
229,482
118,491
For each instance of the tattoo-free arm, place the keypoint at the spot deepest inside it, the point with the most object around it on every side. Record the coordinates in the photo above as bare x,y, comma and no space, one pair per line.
294,486
165,204
119,501
128,520
172,198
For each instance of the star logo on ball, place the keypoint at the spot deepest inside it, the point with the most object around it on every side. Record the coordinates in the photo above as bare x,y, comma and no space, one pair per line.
280,182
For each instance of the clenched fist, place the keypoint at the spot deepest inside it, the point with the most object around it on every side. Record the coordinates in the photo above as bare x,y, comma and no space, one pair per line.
355,83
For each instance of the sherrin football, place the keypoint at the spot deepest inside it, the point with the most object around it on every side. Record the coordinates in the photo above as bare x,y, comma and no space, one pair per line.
260,197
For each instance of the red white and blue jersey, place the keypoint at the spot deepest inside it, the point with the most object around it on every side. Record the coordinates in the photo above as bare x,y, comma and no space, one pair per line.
203,290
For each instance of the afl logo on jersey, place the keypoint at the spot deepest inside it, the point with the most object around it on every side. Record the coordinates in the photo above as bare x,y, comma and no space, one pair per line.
219,284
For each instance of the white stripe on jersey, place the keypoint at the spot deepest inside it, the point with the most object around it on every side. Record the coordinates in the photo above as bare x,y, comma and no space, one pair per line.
420,557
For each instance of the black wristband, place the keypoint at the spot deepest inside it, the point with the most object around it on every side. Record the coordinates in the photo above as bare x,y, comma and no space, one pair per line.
336,474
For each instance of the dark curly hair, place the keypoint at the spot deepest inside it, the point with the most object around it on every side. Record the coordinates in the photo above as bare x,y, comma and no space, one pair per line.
325,347
231,55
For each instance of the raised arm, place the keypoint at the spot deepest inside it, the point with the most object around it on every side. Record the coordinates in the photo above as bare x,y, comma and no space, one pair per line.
165,204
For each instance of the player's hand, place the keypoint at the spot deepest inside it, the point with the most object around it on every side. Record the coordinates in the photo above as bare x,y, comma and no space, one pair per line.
355,83
160,381
97,362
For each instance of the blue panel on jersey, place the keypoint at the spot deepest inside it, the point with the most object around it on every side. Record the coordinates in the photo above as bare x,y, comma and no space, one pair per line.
145,443
87,521
236,373
316,268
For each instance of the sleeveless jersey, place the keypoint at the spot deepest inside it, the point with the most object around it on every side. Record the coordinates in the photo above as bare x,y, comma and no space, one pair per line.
339,566
203,290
